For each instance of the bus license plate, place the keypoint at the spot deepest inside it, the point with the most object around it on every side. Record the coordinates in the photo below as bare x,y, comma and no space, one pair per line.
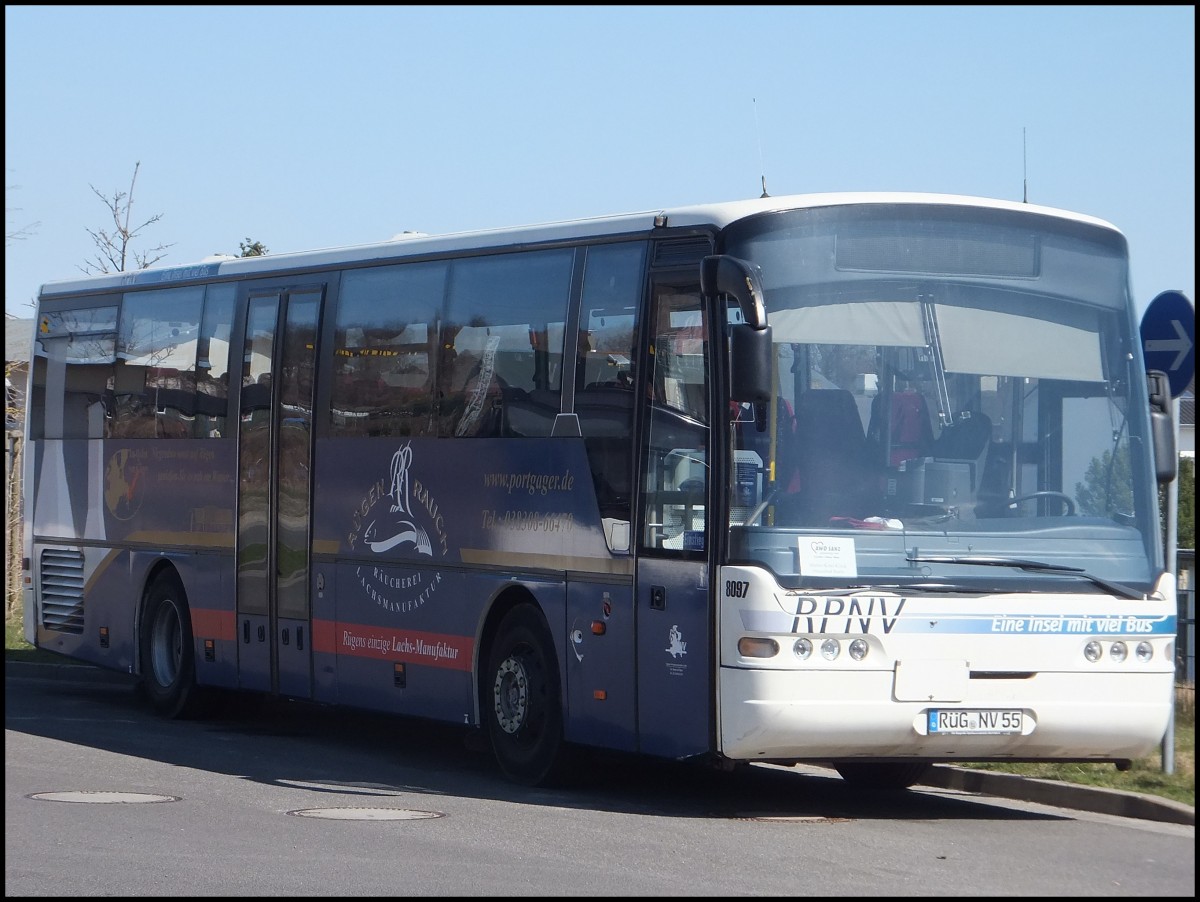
974,720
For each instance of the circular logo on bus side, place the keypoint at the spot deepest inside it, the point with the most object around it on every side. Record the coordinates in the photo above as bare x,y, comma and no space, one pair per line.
404,518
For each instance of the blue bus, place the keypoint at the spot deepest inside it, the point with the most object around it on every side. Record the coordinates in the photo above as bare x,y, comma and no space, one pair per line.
867,480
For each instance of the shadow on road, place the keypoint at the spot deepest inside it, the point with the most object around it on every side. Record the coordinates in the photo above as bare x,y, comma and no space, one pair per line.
369,758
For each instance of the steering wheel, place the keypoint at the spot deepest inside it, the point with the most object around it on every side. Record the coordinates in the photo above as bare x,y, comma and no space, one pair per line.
1067,501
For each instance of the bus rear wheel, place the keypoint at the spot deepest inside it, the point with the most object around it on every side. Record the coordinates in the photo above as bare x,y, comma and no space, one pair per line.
522,700
168,656
882,775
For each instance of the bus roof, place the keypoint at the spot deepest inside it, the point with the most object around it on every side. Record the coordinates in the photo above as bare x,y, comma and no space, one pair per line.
413,244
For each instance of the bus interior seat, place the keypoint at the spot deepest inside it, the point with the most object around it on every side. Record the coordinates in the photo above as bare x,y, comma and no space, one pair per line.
966,439
529,413
996,481
911,433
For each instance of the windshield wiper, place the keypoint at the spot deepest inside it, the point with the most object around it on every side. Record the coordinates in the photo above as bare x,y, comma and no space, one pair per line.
900,589
944,588
1027,565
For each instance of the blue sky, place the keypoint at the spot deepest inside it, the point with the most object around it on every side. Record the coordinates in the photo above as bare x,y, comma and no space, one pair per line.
308,127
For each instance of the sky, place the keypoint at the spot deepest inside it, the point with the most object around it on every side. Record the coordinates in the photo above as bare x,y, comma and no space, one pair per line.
319,126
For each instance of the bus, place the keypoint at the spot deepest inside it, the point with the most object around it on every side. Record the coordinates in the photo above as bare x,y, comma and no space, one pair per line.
861,480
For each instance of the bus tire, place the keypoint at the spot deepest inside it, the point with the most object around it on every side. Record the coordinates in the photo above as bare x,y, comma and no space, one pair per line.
168,655
522,700
882,775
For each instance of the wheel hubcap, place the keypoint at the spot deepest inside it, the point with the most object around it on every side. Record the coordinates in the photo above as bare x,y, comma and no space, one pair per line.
511,695
166,647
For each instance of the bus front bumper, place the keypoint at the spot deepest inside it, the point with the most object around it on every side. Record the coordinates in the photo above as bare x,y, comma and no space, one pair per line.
777,715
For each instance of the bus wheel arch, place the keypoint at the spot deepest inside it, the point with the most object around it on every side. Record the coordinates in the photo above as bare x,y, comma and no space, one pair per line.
166,649
520,694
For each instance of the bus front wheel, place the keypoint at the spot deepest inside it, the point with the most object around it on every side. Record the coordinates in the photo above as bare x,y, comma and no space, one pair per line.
522,700
168,656
882,775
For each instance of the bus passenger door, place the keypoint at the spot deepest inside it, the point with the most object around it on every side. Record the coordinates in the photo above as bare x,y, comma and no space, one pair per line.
275,447
675,541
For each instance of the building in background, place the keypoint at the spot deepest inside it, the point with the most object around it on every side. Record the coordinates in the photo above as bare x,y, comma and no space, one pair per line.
18,342
1187,421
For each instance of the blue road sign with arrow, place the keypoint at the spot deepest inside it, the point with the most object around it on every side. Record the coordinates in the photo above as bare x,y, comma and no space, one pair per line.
1169,339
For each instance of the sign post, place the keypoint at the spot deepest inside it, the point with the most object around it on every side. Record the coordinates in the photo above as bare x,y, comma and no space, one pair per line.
1168,336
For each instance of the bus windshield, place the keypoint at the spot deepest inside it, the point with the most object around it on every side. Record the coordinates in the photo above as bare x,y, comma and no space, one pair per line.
952,388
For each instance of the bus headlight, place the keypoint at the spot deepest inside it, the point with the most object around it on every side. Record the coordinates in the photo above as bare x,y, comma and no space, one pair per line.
1144,651
858,649
1119,651
830,649
1092,651
802,649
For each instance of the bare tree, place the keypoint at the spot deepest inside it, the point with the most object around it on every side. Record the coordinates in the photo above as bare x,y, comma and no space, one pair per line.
14,416
116,251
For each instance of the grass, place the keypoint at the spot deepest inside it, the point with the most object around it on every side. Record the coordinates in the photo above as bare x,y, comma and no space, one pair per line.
17,649
1145,776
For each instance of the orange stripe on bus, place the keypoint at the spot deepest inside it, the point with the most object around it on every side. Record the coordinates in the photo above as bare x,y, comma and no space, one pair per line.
209,624
387,644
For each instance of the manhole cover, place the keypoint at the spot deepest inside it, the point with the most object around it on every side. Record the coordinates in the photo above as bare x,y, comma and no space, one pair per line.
365,814
101,797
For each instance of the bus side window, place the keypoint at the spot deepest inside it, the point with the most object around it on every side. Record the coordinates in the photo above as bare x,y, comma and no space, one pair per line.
82,407
604,371
496,347
154,384
75,350
675,477
385,342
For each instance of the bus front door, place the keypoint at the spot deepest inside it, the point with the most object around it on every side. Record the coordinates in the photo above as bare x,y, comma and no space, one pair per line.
674,626
275,446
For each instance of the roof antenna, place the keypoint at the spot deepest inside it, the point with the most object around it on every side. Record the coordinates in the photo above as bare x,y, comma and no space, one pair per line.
761,168
1024,170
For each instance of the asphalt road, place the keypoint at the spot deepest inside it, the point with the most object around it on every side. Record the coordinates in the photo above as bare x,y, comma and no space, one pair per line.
1073,796
291,799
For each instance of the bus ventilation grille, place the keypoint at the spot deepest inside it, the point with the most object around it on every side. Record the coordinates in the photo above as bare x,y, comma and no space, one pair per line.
681,253
62,590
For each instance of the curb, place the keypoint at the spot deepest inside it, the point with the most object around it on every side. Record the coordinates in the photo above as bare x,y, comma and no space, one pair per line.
942,776
1077,796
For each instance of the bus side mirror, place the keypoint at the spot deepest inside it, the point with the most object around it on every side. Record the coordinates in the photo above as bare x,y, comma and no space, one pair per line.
750,363
1162,426
722,274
